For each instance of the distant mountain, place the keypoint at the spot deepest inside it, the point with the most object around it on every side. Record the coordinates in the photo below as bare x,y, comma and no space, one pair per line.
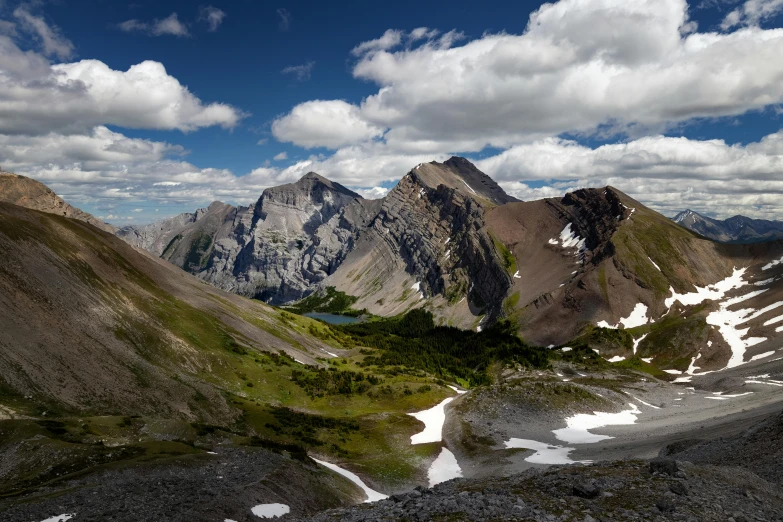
26,192
737,229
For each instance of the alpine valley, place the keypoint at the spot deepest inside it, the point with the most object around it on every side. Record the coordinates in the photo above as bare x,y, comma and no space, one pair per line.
577,358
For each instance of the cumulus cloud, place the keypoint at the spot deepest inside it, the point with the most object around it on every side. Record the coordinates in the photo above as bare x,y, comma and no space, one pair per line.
212,16
281,156
610,66
171,25
752,13
300,72
324,123
37,97
668,174
53,43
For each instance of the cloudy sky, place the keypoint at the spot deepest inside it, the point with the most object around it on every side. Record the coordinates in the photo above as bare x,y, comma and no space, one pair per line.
139,111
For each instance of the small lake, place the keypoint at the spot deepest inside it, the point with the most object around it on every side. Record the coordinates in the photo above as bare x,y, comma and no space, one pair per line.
332,318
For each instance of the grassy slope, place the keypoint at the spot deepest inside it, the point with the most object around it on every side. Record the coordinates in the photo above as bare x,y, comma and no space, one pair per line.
215,351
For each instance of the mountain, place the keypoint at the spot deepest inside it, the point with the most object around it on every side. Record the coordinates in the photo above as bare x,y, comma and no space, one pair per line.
737,229
90,325
448,239
276,251
26,192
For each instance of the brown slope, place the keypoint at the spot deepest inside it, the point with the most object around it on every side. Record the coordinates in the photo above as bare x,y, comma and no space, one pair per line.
89,325
28,193
559,294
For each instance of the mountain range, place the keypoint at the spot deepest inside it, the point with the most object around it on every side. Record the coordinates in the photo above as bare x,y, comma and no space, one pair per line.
737,229
129,364
447,238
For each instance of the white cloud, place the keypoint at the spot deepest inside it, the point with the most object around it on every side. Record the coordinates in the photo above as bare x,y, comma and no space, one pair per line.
752,13
317,123
300,72
212,16
171,25
668,174
390,39
281,156
372,192
608,66
37,98
285,19
52,42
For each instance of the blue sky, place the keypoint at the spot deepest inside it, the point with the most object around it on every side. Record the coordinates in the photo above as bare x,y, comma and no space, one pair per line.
291,80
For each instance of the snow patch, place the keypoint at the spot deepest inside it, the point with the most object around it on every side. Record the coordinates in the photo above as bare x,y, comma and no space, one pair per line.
637,341
616,358
653,263
433,420
638,317
470,189
516,275
270,510
772,263
579,426
372,495
59,518
544,453
761,356
720,397
459,392
444,468
648,360
764,282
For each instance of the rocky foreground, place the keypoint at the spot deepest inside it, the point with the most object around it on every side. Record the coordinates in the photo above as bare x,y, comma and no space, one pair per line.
659,490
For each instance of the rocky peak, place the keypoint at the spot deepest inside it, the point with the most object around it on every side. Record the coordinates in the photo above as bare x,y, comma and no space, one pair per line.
29,193
460,174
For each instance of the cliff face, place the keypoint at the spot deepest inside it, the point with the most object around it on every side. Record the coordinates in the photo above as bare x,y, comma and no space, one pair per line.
428,241
276,251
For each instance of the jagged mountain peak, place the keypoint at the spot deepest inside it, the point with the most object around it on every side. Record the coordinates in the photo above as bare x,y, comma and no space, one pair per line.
313,182
460,174
29,193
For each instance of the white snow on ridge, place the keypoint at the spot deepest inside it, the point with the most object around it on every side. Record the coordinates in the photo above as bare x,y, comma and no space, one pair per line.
473,191
372,495
712,292
569,239
270,510
772,264
516,275
578,426
653,263
764,282
616,358
727,322
59,518
417,287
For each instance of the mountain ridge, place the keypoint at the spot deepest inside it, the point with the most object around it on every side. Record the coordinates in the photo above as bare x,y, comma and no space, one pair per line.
736,229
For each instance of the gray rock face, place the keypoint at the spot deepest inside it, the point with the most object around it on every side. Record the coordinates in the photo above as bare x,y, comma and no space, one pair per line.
276,251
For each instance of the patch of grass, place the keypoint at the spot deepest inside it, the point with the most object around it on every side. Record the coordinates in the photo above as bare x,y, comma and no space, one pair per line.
509,261
329,301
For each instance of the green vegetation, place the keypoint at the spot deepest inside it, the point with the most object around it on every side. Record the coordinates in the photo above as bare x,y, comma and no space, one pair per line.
413,341
322,382
198,257
331,301
171,245
606,340
509,261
